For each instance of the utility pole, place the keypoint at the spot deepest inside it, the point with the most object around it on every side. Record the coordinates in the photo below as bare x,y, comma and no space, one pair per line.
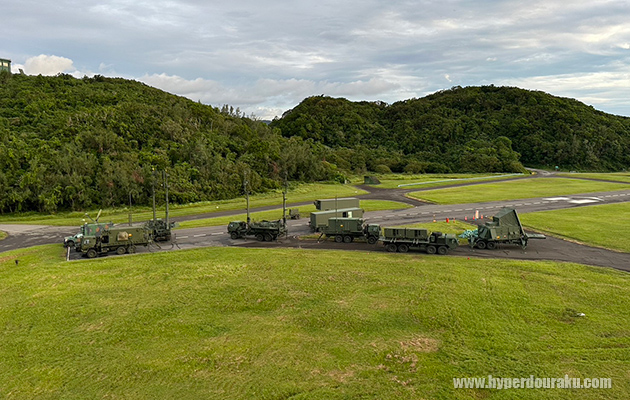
245,182
153,184
165,174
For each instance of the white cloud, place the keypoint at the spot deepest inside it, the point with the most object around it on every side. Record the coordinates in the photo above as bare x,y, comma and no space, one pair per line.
48,65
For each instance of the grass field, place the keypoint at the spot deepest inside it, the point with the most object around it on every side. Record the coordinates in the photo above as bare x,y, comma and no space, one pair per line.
616,176
391,181
229,323
603,225
300,193
367,205
521,189
3,235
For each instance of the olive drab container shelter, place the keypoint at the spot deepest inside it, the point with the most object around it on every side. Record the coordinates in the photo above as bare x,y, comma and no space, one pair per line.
319,219
121,239
336,204
348,229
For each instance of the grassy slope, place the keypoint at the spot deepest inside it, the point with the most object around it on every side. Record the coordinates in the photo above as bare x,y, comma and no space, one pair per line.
239,324
538,187
617,176
391,181
303,192
600,225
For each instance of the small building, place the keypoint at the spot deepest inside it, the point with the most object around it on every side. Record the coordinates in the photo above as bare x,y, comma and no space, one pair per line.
5,65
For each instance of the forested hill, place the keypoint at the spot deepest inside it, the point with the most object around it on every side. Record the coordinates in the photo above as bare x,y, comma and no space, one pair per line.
68,143
469,129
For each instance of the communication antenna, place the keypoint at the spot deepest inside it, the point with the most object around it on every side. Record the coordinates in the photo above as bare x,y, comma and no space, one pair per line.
245,182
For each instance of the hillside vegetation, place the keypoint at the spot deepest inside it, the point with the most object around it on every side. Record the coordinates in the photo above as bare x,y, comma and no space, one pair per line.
69,143
77,144
473,129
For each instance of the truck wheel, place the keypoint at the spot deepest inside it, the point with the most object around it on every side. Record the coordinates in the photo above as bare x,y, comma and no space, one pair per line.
268,237
260,237
338,238
491,245
121,250
442,250
481,244
131,249
372,239
431,249
391,248
91,253
234,235
403,248
69,243
347,239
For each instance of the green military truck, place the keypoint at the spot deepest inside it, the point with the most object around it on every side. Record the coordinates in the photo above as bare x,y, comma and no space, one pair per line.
347,229
404,239
319,219
85,230
121,239
505,228
336,204
261,230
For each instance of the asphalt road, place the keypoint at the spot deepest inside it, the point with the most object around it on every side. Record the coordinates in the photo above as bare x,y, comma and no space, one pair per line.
22,236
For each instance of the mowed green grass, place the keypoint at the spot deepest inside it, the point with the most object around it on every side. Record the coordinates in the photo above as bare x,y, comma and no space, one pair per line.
367,205
391,181
297,194
519,189
615,176
230,323
603,225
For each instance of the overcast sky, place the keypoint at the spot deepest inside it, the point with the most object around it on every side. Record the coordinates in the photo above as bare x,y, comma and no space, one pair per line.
266,56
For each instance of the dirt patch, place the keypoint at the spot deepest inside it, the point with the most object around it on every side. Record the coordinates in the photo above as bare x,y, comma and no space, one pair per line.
421,344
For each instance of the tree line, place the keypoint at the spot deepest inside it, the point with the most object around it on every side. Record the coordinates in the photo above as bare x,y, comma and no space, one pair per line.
473,129
77,144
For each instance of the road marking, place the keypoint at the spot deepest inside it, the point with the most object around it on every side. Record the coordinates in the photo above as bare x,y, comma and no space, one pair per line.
217,233
182,237
203,234
584,201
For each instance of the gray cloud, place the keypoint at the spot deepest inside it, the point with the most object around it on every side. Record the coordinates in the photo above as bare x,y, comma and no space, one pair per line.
265,57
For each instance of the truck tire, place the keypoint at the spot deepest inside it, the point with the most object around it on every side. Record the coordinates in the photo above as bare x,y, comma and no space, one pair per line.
403,248
372,240
391,247
491,245
131,249
235,235
431,249
347,239
70,243
121,250
91,253
338,238
260,237
268,237
481,244
442,250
